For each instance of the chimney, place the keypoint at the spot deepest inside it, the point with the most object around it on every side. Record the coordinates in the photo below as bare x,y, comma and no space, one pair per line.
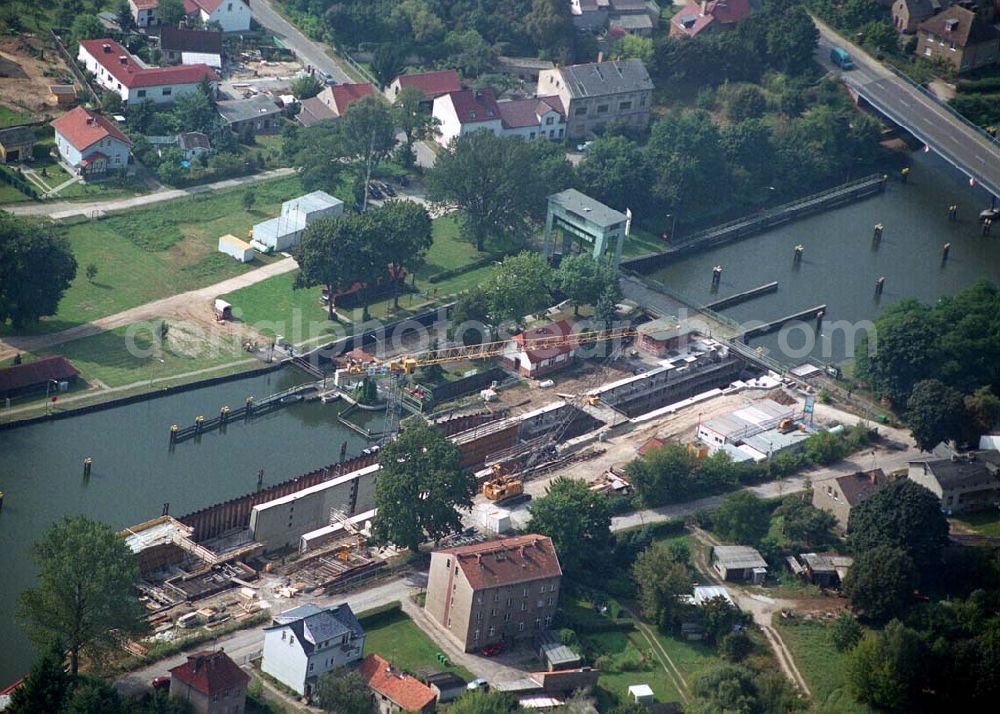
704,6
600,57
90,121
873,475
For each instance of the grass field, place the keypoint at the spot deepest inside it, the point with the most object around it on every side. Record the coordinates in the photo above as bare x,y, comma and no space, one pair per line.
134,354
985,523
154,252
11,117
630,653
822,666
405,645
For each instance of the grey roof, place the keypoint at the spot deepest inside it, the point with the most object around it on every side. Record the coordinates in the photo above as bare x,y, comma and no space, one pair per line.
588,209
738,556
311,202
193,140
445,680
558,654
633,22
602,78
315,626
967,470
17,135
662,328
238,110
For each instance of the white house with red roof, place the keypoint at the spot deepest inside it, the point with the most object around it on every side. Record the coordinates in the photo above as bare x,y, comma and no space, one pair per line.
118,71
332,102
144,12
91,143
534,118
540,350
708,16
393,690
469,110
232,15
432,84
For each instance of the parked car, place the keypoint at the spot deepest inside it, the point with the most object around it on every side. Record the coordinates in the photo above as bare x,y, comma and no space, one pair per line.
373,191
387,189
478,684
493,649
328,79
403,180
160,684
584,146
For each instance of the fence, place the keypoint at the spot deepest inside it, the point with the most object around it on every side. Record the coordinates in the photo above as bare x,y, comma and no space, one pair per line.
75,69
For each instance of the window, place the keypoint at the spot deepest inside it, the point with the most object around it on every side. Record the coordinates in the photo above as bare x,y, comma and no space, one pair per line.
520,627
493,612
229,7
525,592
167,91
493,630
141,93
531,135
548,621
602,108
479,616
548,120
580,111
549,602
538,623
560,133
539,604
508,599
928,52
524,605
642,100
541,588
447,563
311,664
475,635
506,617
624,106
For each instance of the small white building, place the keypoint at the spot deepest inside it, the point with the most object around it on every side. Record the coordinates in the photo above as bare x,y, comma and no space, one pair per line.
307,641
118,71
193,144
282,233
239,249
232,15
90,143
144,12
464,112
641,693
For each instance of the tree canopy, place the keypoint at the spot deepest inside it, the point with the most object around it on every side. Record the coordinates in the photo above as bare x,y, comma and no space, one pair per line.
934,412
36,268
578,522
520,285
343,691
884,668
485,702
880,583
742,518
421,489
85,598
662,576
585,280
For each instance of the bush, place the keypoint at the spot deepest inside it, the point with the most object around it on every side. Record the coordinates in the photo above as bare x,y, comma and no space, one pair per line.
845,632
604,663
736,646
380,615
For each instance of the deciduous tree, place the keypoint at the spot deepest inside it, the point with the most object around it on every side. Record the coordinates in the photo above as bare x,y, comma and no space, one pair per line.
615,172
519,285
343,691
880,582
85,598
742,518
404,232
484,702
421,489
36,268
306,86
934,413
47,686
885,669
583,280
578,522
662,578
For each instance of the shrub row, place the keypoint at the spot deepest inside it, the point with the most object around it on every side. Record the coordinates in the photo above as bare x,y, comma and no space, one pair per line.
17,182
380,615
468,268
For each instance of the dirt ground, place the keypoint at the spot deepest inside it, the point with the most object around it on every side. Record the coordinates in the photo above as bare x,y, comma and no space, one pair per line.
528,396
27,67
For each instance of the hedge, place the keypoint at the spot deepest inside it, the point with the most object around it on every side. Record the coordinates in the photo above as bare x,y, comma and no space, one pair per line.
987,84
467,268
380,615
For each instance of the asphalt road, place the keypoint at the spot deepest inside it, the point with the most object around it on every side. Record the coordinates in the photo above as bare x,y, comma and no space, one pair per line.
308,52
924,117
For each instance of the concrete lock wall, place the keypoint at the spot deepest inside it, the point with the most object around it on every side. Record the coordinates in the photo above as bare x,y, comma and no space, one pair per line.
281,523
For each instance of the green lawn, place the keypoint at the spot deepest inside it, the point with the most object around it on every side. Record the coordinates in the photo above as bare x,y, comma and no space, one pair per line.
9,194
632,662
151,253
821,665
985,523
640,242
12,117
400,641
133,354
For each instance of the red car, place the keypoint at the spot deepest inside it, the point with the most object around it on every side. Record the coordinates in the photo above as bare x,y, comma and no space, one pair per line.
493,650
161,683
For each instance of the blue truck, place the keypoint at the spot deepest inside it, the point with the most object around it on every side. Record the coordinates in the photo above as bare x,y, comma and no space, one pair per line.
839,56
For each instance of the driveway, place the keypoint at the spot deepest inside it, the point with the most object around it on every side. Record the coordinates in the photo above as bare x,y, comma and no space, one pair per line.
309,52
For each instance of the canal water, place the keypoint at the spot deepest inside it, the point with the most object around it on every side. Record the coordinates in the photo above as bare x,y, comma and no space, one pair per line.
841,264
135,472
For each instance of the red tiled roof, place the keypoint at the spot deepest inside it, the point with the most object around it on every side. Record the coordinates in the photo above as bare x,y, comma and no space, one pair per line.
961,26
858,486
507,561
475,105
146,4
724,11
30,374
433,84
208,6
537,342
407,692
92,157
344,95
210,672
651,444
526,112
131,74
82,128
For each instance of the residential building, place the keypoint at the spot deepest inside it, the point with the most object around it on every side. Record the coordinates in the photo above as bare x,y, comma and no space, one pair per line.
660,336
578,216
394,690
959,37
144,12
62,95
739,563
281,233
91,144
432,84
232,15
839,495
193,144
466,111
590,14
531,352
908,14
332,102
307,641
259,114
17,144
211,683
502,589
636,17
597,93
182,46
39,376
704,17
534,117
964,482
118,71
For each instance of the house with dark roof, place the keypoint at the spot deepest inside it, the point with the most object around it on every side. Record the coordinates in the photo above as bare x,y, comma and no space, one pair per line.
394,690
965,482
705,17
17,144
432,84
599,92
91,144
908,14
540,350
180,45
332,102
839,495
118,71
307,641
500,590
259,114
959,37
534,117
232,15
211,683
193,144
46,374
590,14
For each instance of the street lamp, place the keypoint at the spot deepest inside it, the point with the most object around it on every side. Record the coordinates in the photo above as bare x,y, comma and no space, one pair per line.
48,385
